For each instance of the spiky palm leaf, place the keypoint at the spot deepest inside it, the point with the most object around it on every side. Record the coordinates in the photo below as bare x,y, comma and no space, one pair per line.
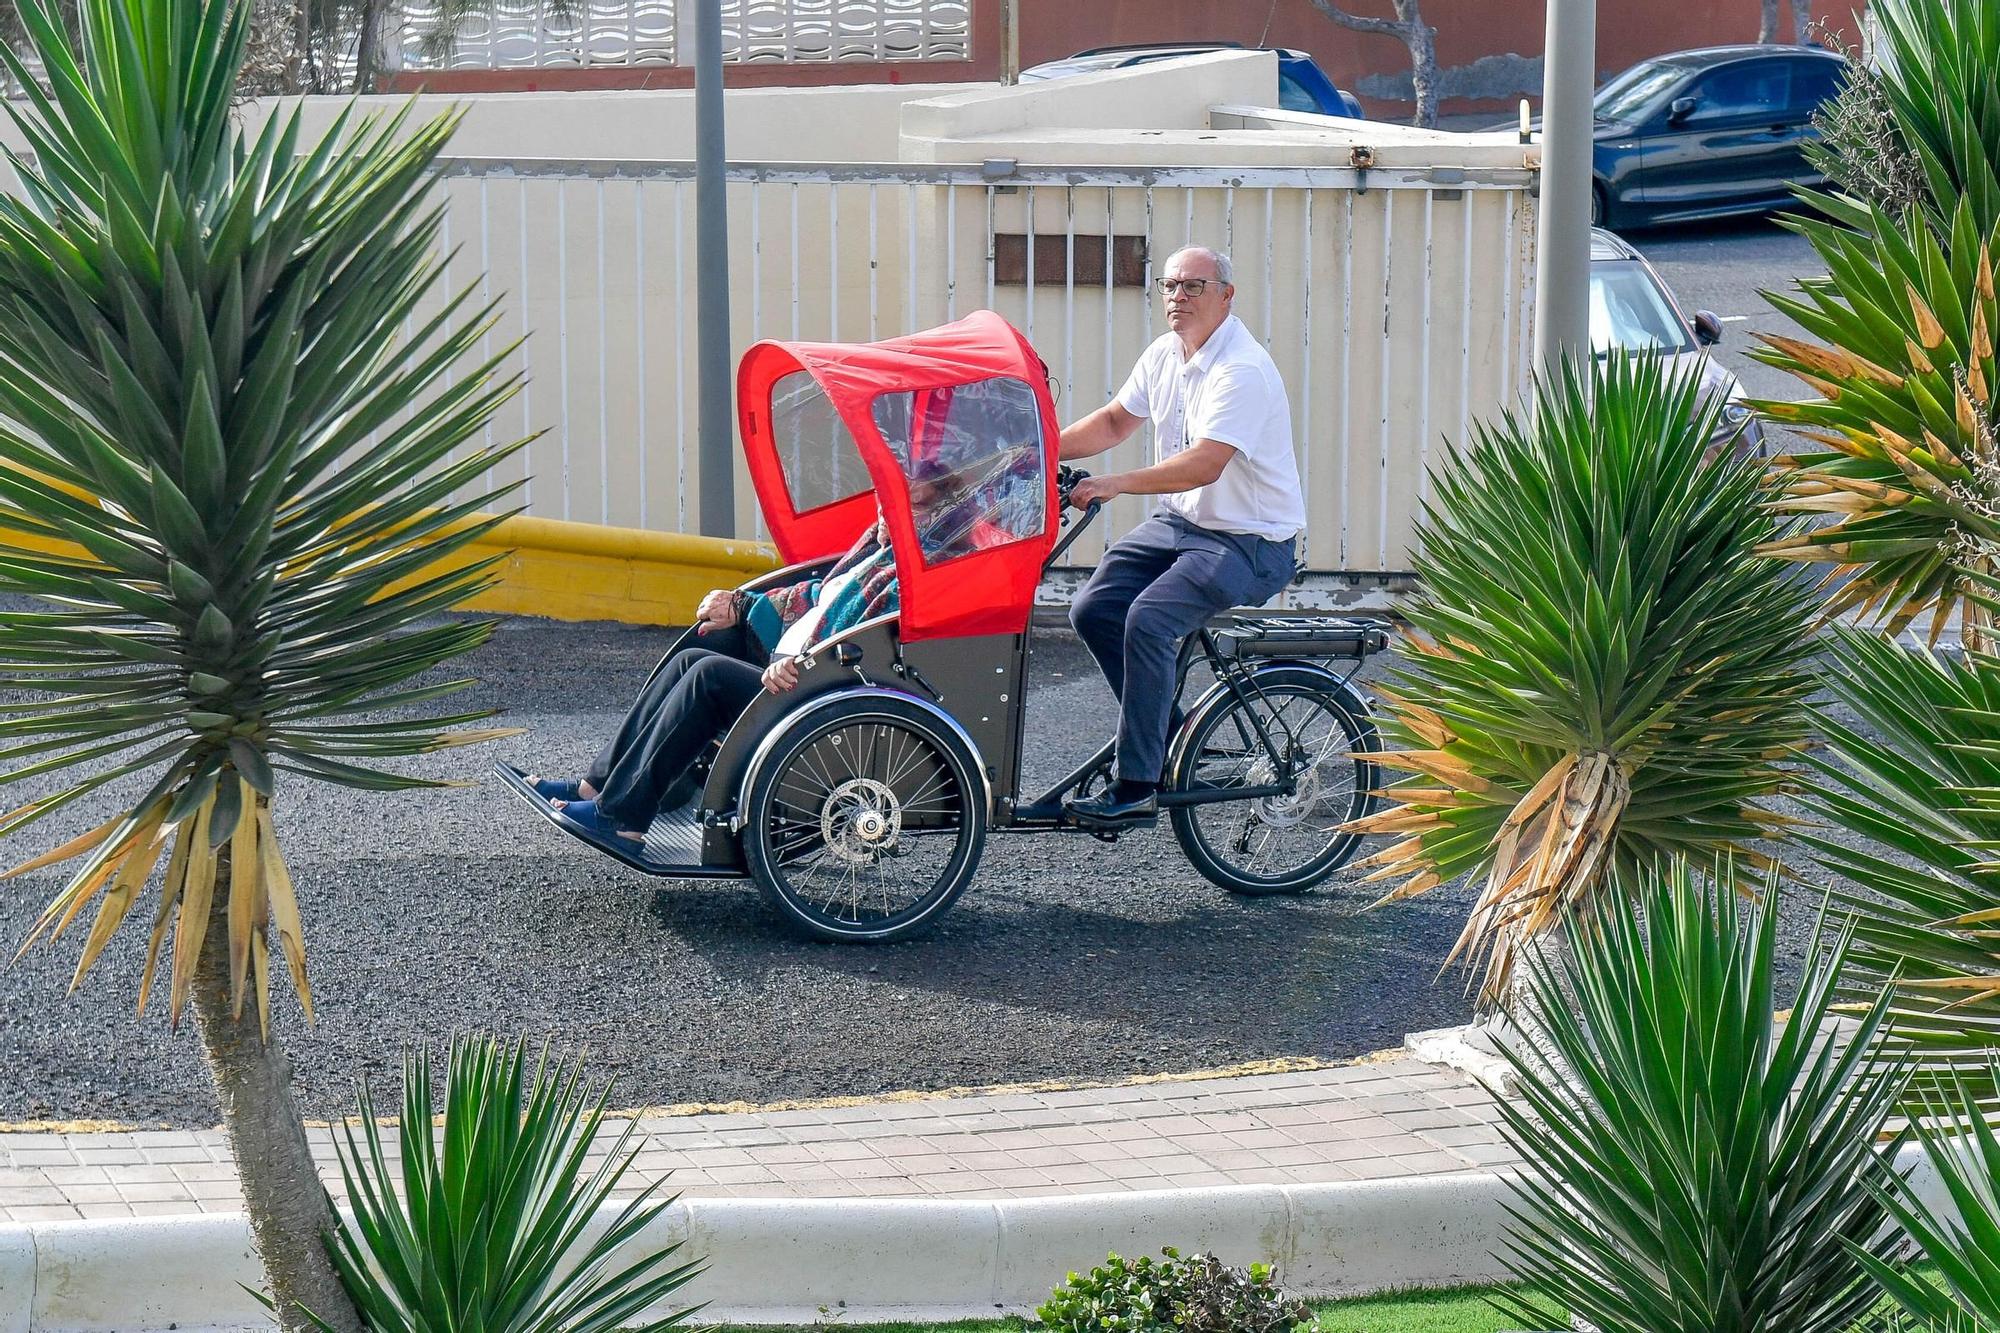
1911,465
1916,789
1961,1242
486,1223
225,472
1692,1168
1936,74
1601,672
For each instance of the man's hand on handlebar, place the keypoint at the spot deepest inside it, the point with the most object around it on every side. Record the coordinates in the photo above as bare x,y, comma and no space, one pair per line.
1090,490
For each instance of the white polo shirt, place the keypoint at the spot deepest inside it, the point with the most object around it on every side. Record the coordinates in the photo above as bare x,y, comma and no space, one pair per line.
1229,391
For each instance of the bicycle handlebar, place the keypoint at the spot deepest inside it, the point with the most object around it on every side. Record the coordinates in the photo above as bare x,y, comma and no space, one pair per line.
1066,479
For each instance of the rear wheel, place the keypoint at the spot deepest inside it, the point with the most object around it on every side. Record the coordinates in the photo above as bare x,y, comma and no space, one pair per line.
866,821
1600,206
1285,843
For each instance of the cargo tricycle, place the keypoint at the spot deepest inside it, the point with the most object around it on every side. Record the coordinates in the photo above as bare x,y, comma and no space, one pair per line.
860,801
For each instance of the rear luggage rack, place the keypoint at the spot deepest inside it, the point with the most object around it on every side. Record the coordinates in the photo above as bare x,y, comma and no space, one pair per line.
1301,636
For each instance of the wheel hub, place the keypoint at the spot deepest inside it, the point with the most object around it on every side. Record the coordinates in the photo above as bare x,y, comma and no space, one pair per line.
861,820
1282,811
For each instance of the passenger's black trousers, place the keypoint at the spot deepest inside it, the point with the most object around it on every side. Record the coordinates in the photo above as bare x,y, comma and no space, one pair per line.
693,699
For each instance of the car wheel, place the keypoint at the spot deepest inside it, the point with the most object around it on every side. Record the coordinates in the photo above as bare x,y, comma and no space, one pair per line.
1600,209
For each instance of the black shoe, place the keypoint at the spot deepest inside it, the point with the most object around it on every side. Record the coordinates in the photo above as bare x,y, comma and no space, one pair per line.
1106,811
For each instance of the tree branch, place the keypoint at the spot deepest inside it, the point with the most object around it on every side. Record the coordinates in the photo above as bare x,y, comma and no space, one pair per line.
1359,23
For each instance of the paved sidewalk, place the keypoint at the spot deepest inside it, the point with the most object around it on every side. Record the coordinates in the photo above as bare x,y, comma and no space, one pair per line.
1389,1116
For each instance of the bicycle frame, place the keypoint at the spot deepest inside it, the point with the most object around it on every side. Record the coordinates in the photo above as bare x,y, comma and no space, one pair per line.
1046,811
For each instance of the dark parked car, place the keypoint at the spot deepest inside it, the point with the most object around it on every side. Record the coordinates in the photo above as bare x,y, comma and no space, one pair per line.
1302,84
1703,134
1630,307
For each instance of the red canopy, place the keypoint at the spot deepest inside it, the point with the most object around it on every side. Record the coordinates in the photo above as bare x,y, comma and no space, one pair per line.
951,430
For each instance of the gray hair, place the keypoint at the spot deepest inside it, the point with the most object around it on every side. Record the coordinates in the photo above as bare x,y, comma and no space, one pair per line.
1225,272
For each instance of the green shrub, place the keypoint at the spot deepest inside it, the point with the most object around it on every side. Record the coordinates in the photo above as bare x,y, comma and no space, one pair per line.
493,1228
1198,1294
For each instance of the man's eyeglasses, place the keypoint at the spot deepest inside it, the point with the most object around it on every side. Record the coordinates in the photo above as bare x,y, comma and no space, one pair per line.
1191,287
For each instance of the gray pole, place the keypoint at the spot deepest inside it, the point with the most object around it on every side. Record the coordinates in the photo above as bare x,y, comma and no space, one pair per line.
1562,245
1010,42
711,257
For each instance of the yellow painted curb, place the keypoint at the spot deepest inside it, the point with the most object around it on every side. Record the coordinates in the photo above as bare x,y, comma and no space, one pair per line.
584,571
580,571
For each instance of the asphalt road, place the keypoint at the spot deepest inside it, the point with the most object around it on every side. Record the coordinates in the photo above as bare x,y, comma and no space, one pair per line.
449,910
1726,267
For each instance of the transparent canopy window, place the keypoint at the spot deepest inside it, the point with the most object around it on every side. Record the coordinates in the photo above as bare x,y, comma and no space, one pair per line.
821,463
973,455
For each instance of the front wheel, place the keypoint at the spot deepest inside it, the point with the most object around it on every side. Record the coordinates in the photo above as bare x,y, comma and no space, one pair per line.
1284,843
866,821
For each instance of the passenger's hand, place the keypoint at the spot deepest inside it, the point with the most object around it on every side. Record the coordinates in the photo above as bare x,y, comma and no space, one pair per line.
1092,489
717,611
781,675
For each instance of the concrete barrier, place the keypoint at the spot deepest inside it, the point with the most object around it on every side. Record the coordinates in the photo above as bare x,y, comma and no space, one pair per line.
796,1261
579,571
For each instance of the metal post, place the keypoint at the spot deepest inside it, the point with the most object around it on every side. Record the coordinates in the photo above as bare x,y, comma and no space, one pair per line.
1010,42
1562,246
711,247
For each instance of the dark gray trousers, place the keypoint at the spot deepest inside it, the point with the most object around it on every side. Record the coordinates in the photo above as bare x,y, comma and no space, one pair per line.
693,699
1154,587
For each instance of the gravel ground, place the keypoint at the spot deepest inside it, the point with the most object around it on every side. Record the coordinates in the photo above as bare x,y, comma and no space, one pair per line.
446,910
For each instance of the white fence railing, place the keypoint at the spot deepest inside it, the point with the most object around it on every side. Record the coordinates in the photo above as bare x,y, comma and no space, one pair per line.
1390,302
515,34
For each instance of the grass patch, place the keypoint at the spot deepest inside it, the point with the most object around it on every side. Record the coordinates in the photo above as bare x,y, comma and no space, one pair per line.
1460,1310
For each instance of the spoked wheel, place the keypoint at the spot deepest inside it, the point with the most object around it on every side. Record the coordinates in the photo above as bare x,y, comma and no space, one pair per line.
866,822
1284,843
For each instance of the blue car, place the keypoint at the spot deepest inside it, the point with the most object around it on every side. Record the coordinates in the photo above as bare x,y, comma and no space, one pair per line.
1707,134
1302,84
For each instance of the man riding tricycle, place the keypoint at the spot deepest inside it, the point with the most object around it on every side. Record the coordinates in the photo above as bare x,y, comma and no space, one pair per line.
847,730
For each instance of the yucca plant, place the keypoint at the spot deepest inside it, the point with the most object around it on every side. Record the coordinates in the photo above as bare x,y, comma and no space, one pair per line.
1909,461
1692,1168
1962,1242
1916,790
227,435
1600,671
491,1222
1917,131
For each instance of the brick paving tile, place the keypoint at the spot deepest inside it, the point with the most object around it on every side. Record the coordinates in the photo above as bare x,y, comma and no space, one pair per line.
710,1157
741,1175
110,1156
1019,1177
1262,1138
74,1175
1198,1180
104,1212
32,1157
17,1142
1428,1163
1488,1154
873,1168
215,1189
43,1213
1460,1135
839,1152
145,1192
83,1194
10,1177
36,1196
166,1209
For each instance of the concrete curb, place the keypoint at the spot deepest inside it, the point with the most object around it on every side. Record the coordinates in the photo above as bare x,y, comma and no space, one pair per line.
795,1261
801,1261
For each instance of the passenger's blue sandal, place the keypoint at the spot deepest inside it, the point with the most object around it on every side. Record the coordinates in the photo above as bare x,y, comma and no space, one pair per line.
559,789
589,819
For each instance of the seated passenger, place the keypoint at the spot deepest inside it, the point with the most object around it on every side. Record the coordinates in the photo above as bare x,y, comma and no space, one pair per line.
698,694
